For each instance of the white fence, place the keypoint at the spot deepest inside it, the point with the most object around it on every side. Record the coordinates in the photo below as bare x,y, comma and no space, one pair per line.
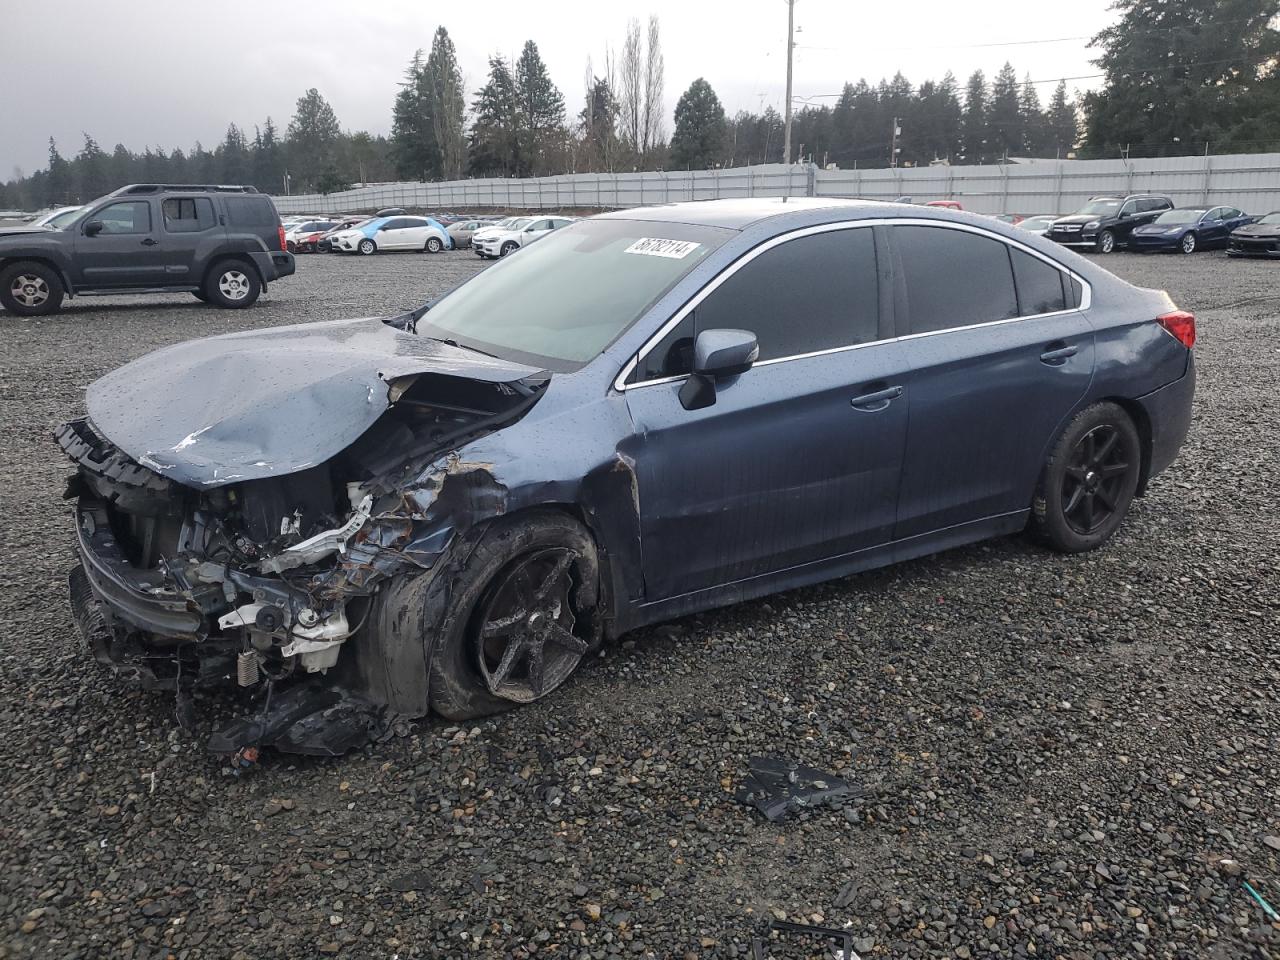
1248,181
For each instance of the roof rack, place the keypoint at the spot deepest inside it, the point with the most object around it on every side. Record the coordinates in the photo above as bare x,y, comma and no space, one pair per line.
185,187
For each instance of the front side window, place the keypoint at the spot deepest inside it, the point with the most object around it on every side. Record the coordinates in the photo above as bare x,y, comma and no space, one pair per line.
187,214
570,295
131,216
954,278
813,293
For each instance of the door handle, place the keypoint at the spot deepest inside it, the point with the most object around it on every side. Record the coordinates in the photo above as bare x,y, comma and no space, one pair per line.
1059,355
149,242
878,400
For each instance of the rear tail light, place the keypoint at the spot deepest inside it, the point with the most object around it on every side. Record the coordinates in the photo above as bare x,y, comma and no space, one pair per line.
1181,325
280,230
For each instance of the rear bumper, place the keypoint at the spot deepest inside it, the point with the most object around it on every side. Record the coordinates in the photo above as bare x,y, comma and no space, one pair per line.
1168,413
274,264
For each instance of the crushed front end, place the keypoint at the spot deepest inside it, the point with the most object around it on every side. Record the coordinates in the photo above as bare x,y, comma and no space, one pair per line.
262,584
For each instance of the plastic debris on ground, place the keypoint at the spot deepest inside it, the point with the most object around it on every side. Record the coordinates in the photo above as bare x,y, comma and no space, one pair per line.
778,788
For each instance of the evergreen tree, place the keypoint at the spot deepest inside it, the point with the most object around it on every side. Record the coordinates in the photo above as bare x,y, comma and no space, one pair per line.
58,185
597,126
233,157
700,128
413,141
540,108
974,124
91,171
1004,120
1181,73
444,96
1063,128
268,160
121,167
1034,129
313,134
494,148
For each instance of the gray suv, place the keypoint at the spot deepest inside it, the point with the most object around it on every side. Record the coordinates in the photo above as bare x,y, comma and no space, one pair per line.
221,244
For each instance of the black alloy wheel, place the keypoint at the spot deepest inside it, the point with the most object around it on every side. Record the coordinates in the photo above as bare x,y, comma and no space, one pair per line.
524,627
1094,479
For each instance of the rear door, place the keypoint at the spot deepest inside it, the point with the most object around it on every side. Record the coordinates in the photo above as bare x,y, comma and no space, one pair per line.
996,365
189,230
125,252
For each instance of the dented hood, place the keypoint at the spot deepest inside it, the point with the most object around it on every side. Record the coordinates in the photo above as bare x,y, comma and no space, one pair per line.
261,403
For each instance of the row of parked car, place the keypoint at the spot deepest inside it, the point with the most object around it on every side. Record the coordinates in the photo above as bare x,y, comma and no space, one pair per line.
394,229
1149,222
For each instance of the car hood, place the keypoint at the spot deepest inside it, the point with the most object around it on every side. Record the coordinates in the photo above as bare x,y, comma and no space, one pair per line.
1077,218
1151,228
24,231
1258,230
243,406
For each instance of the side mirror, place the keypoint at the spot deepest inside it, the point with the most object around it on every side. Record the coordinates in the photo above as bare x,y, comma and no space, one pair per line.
717,354
93,228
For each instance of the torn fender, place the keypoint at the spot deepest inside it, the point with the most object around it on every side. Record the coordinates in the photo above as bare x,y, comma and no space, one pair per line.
262,403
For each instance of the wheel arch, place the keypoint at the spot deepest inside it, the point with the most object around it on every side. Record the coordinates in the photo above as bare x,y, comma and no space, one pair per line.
1142,422
222,258
9,260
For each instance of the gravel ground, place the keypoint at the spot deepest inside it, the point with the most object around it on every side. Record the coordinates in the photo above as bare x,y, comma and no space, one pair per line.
1055,751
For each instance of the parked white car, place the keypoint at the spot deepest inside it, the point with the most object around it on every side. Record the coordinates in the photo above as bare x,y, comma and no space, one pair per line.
393,233
490,244
57,219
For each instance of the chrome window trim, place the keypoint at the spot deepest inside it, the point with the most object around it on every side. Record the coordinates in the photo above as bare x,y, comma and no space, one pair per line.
620,384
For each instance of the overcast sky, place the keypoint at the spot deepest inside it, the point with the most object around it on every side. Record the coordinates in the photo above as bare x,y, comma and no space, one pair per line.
171,72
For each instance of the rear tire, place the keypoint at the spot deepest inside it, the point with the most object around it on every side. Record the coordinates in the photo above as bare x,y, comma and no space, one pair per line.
232,285
31,289
1089,480
535,643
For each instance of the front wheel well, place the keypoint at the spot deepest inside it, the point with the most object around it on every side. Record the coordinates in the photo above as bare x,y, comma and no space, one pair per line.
6,262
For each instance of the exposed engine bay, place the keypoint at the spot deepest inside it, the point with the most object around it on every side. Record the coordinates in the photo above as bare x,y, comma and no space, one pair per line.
262,581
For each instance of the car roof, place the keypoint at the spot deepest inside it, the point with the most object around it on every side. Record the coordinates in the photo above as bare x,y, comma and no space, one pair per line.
738,214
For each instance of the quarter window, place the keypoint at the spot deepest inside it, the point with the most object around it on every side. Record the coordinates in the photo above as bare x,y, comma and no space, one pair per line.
954,278
187,214
132,216
813,293
1039,285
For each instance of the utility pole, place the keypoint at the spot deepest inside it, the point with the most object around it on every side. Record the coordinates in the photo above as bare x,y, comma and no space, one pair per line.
791,29
893,143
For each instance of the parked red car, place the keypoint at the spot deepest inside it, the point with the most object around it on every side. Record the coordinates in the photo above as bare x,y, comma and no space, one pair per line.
946,204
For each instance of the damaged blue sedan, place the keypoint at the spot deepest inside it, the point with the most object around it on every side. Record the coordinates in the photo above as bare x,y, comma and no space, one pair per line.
689,406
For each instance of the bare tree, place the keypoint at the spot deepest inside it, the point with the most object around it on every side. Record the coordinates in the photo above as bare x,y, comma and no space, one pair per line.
653,131
631,88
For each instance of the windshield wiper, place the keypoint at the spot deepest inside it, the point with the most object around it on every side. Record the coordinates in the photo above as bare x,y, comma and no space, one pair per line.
465,346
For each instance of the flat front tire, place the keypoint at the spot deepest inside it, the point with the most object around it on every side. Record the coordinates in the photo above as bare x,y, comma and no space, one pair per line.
233,285
30,289
1089,480
513,615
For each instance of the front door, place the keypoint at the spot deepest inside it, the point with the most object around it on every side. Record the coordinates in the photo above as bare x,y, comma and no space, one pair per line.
995,368
799,457
125,250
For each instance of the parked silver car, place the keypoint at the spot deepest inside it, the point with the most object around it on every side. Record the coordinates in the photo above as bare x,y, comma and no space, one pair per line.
464,230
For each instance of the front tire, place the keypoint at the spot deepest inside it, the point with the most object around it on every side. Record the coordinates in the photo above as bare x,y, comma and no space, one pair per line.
367,247
514,616
508,248
433,245
31,289
1089,480
1188,243
1106,242
232,285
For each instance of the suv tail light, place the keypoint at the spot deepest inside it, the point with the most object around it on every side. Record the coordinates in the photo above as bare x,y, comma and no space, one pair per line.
1181,325
280,231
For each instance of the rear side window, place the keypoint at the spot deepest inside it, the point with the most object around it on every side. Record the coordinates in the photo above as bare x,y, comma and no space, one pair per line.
250,212
187,214
954,278
814,293
1039,285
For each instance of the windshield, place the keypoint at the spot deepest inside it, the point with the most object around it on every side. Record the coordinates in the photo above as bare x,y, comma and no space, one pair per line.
1100,207
1271,218
1180,216
519,223
1033,223
560,302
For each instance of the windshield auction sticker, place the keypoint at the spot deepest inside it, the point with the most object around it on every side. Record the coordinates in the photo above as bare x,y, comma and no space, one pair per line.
671,249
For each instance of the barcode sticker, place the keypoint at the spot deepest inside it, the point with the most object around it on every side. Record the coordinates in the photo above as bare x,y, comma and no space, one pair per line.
655,247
